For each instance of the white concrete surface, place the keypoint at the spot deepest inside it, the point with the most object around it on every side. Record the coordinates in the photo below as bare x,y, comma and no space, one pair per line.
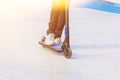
95,42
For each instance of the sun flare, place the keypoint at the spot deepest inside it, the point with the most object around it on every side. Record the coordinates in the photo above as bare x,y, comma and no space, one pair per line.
42,2
5,1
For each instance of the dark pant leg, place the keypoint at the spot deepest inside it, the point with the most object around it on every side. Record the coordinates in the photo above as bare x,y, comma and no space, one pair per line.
60,24
61,21
53,19
57,18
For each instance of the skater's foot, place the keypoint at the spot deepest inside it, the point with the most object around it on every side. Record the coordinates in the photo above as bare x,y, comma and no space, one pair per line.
50,39
58,41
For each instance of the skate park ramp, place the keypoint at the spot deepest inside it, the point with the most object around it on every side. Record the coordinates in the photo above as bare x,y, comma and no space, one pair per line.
94,39
103,5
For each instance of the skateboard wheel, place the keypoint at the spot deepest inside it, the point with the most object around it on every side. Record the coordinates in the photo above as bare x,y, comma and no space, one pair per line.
67,53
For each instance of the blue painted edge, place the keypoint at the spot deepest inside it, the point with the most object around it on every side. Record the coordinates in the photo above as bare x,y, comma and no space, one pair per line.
102,5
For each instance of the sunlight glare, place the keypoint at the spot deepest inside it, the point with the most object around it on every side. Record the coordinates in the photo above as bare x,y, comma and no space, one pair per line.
78,2
42,2
26,2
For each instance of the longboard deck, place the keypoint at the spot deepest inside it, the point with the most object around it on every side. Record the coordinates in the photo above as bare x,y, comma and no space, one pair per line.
55,47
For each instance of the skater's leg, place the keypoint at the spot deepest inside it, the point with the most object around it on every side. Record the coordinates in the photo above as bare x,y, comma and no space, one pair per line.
52,24
53,17
57,21
61,20
60,24
59,29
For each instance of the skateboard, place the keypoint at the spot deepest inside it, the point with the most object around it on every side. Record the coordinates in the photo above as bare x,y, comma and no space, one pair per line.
56,48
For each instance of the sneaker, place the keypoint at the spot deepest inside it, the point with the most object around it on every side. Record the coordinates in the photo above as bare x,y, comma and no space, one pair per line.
50,39
58,41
